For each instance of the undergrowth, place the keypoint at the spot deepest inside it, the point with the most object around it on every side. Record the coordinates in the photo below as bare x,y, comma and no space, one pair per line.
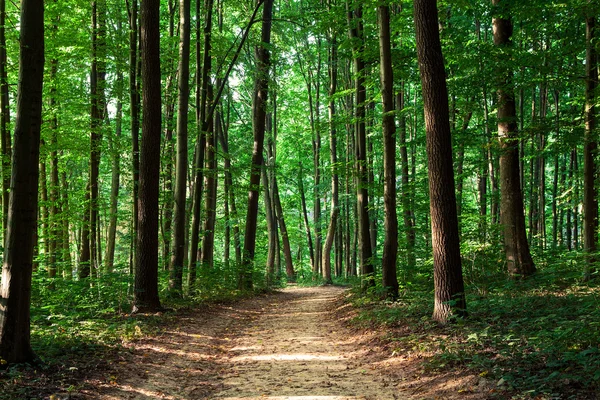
533,338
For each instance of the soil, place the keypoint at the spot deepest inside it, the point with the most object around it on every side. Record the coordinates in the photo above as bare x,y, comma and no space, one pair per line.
293,344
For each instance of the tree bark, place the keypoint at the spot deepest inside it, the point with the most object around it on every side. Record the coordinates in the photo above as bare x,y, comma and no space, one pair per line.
15,292
181,165
134,99
447,269
590,192
355,26
390,242
5,140
335,211
146,274
259,104
512,217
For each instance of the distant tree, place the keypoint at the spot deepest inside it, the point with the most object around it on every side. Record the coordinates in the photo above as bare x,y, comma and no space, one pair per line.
447,268
15,292
146,273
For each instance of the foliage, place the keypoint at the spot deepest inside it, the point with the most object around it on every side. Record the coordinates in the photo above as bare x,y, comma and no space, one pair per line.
535,337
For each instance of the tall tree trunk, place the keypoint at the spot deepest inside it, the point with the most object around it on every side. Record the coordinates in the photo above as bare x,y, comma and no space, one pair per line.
115,150
15,290
447,269
259,105
326,261
590,192
210,181
516,247
181,165
409,226
146,274
390,243
202,88
4,119
366,254
134,99
168,204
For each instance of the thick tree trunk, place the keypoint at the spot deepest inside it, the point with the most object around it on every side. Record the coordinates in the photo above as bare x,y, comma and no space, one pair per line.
146,274
5,140
390,243
590,192
259,105
447,269
516,247
15,292
181,165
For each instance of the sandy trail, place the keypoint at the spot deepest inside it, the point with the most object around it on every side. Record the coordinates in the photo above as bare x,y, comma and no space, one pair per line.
295,350
281,346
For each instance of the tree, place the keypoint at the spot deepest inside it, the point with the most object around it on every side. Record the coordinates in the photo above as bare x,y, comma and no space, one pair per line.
355,25
179,201
447,269
390,244
146,273
15,292
512,216
590,200
259,105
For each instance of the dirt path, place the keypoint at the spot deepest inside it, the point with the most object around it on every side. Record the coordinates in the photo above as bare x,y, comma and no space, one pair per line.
288,345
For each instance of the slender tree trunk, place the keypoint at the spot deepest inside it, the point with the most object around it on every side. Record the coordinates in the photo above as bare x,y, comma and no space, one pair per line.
271,228
15,290
305,215
234,221
65,230
146,274
590,192
259,105
115,149
326,261
210,177
447,269
169,149
181,165
390,243
356,35
287,250
409,227
134,99
202,88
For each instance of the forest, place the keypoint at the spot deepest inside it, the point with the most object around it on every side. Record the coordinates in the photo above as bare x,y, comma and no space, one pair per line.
439,158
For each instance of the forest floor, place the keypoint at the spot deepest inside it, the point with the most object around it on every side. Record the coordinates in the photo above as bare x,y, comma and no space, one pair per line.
294,344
